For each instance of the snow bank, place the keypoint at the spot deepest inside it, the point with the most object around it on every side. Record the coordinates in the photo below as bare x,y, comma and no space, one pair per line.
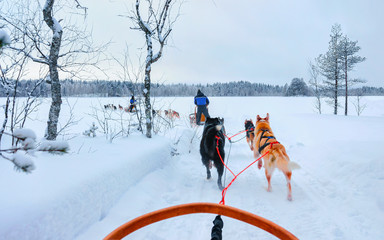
53,205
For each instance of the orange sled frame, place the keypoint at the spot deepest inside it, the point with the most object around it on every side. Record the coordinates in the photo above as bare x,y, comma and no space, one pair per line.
192,118
190,208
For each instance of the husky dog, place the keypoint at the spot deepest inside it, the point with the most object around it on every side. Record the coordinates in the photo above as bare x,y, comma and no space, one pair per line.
212,147
275,154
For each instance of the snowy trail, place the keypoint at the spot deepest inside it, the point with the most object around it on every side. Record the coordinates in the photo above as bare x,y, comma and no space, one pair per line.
184,181
320,208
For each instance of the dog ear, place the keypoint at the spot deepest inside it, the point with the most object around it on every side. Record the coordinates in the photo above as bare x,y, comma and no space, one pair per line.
267,118
258,118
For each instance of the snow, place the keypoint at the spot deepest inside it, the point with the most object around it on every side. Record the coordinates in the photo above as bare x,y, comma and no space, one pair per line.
5,39
57,29
98,186
23,162
27,137
24,133
54,146
28,143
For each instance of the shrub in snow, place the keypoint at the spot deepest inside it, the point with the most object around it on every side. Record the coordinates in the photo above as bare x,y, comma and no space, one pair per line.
22,163
91,132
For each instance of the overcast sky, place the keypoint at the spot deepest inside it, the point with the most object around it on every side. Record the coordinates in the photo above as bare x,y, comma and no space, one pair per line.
261,41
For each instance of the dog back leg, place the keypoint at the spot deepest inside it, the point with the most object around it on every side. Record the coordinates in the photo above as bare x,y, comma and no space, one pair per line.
220,170
268,175
206,163
250,143
288,177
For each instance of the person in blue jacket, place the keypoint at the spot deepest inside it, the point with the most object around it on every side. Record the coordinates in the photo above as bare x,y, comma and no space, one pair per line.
201,101
132,107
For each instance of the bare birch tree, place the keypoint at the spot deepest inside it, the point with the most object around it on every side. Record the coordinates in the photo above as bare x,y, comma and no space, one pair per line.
62,47
57,33
156,26
12,69
131,75
315,83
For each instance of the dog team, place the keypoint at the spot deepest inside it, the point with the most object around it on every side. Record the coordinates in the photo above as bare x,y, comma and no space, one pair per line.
261,141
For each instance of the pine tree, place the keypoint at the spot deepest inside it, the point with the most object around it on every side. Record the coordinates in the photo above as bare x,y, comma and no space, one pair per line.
349,59
330,65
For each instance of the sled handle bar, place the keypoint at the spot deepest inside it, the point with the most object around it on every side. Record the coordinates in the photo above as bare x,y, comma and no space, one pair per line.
189,208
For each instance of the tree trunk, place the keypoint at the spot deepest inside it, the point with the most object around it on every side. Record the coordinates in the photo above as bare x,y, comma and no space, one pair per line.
336,92
6,107
54,110
346,87
57,31
147,87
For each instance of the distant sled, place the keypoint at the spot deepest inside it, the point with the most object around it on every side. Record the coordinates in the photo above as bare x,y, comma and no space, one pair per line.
192,118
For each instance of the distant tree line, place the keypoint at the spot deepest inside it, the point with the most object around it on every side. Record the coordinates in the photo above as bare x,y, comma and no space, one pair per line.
103,88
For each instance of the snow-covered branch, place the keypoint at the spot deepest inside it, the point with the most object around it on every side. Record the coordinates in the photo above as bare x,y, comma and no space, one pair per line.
27,139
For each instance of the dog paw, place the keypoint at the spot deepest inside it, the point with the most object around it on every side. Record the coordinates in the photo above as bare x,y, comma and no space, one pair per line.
289,198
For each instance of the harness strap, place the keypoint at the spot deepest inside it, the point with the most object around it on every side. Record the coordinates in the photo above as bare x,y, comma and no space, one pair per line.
250,130
261,148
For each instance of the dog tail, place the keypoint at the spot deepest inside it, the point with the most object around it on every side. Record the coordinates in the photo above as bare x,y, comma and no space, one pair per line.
283,162
293,165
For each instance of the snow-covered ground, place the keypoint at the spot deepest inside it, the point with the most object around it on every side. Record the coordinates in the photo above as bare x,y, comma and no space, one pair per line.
99,185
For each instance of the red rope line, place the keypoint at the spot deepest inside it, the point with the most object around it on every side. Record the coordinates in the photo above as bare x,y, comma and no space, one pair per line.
229,138
235,176
247,130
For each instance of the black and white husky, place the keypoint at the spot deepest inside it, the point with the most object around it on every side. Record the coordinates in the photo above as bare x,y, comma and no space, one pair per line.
213,138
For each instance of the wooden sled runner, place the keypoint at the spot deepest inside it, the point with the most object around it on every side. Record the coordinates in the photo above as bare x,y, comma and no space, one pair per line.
190,208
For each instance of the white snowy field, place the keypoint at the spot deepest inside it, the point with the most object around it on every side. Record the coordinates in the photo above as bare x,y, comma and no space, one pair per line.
99,185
